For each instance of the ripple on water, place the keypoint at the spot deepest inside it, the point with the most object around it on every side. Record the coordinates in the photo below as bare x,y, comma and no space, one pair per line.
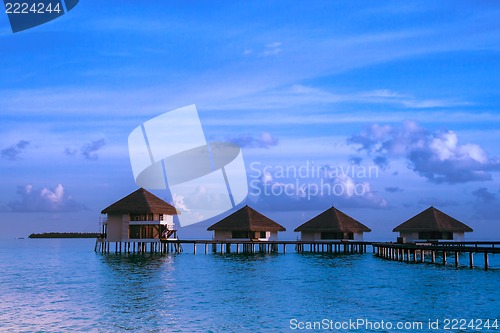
62,285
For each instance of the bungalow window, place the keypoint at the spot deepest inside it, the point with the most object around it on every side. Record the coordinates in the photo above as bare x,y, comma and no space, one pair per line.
240,234
348,235
143,231
332,235
262,234
435,235
134,231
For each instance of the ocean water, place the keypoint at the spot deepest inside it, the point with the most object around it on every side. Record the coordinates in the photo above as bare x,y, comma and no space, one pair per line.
62,285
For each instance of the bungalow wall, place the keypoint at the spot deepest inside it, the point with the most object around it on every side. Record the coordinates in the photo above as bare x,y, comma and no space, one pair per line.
413,236
228,234
316,236
222,234
117,229
118,226
272,235
409,236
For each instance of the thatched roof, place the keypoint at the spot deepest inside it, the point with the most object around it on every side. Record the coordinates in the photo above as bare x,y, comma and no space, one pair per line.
432,219
333,220
247,219
141,202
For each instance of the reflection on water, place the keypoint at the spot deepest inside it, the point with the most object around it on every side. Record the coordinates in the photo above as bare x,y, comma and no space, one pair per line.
64,286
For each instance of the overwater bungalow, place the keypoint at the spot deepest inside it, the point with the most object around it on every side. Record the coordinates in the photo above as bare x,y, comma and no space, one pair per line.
432,224
332,224
139,217
246,223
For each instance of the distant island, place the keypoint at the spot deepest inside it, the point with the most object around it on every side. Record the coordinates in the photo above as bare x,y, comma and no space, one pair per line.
65,235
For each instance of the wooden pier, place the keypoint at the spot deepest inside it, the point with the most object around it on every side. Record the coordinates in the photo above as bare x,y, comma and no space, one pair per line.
230,246
428,252
445,253
138,246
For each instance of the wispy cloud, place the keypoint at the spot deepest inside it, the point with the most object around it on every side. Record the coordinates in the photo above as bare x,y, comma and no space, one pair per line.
486,204
386,96
88,150
298,96
70,151
264,140
12,153
269,50
272,49
393,189
484,195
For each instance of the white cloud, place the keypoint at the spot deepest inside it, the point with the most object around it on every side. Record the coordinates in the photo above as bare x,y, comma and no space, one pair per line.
272,49
178,202
437,155
44,200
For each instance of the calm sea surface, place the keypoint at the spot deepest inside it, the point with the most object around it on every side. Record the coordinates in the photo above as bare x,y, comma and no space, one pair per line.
62,285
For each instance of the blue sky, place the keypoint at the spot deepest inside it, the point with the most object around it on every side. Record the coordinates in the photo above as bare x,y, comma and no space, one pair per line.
409,88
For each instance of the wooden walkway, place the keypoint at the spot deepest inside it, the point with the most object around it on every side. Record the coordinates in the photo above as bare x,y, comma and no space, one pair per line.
428,252
248,246
434,253
231,246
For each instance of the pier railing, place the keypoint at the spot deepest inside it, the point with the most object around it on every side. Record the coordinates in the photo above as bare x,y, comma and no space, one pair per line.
487,244
421,252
